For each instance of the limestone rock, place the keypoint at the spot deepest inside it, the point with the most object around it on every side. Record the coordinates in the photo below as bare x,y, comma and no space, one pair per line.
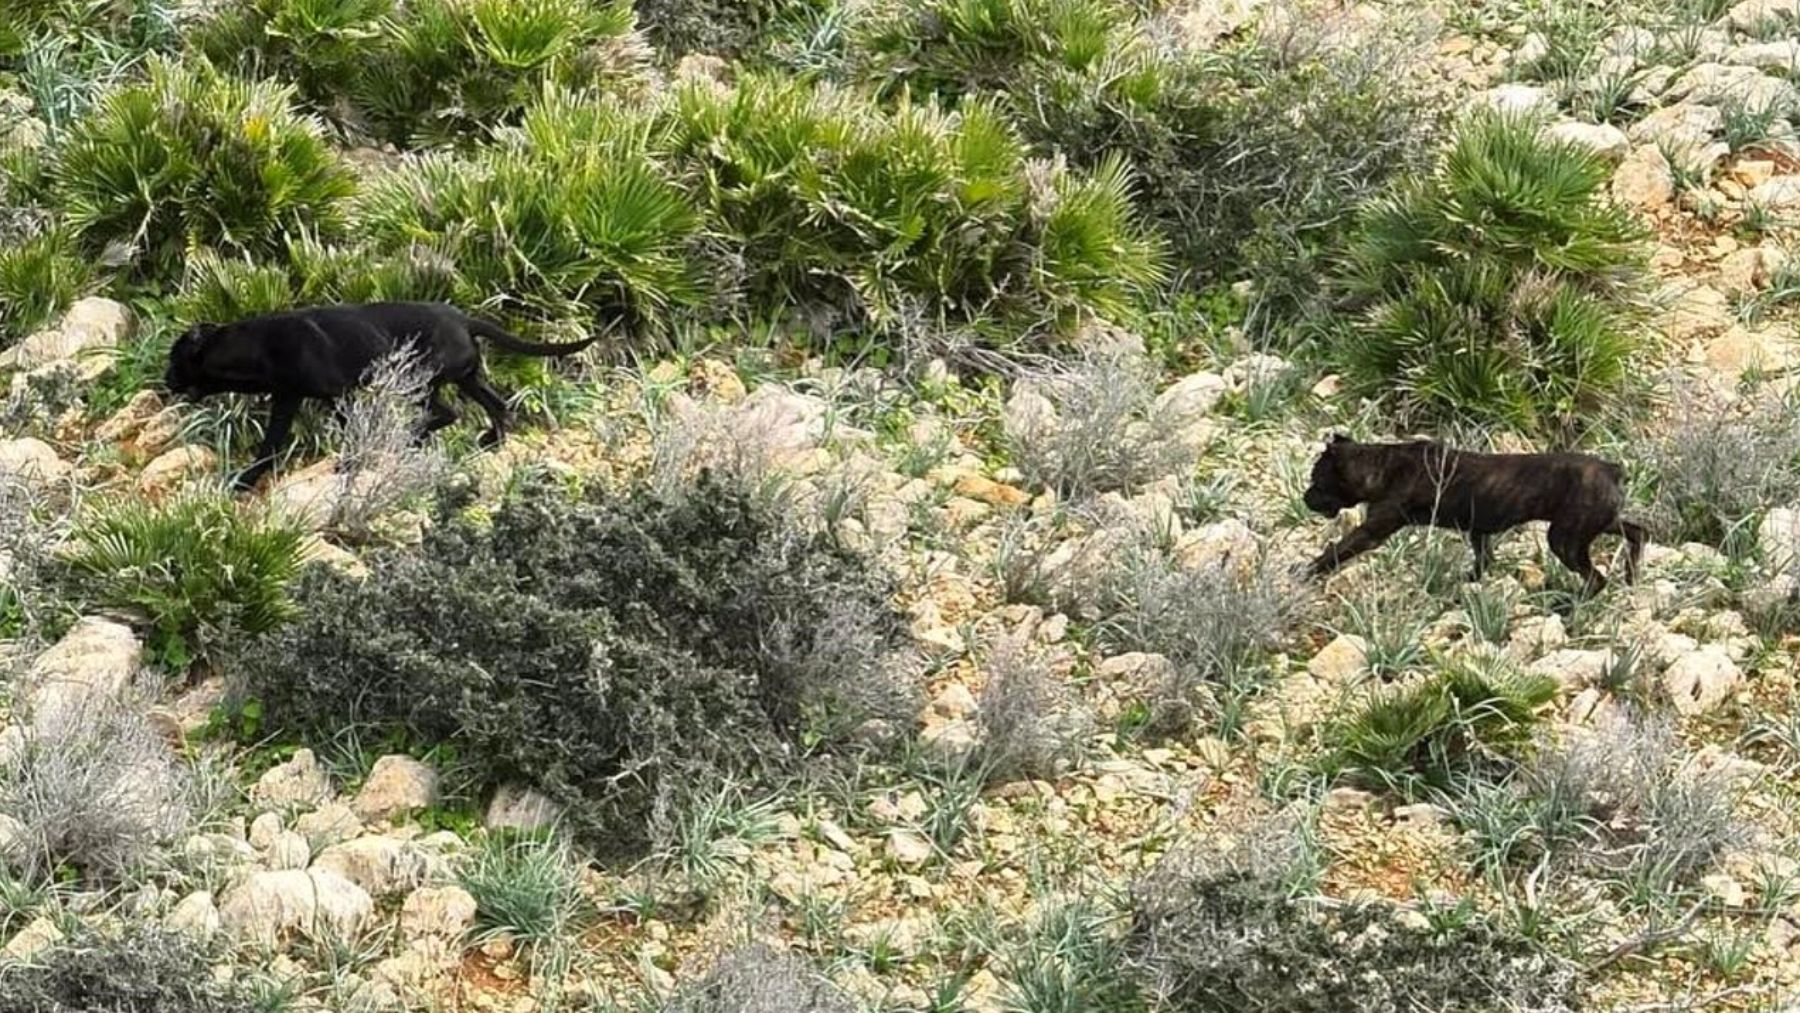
382,866
1191,398
1741,350
289,850
33,939
1755,15
269,908
328,824
298,782
32,461
521,808
1778,193
176,467
92,328
445,912
1341,661
95,660
396,785
195,915
1701,681
1644,179
1604,140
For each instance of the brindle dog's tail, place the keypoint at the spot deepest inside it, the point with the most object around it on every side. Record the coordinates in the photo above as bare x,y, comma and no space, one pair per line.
500,336
1635,537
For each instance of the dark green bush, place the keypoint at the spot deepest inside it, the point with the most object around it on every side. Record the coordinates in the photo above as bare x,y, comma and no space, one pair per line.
1430,732
142,968
726,28
1492,290
193,158
608,649
1212,937
39,278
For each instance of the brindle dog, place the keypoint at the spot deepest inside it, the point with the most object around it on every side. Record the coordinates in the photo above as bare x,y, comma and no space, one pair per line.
1481,495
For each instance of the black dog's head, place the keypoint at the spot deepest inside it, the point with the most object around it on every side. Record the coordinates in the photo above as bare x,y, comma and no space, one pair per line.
1332,489
186,376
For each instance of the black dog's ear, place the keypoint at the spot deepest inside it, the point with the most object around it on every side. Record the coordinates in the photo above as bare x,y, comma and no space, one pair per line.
1336,438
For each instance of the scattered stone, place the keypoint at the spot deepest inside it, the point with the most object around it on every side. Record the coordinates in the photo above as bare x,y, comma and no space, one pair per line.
908,848
269,908
1422,814
195,915
176,467
263,831
1754,15
1778,536
1603,140
1777,193
1780,56
1684,126
298,782
95,660
1348,800
1535,636
445,912
1518,100
1696,310
33,939
32,461
90,331
517,807
129,420
1741,350
328,825
397,784
1724,84
1343,660
1191,398
1750,269
1574,670
1644,180
987,491
289,850
1702,680
382,866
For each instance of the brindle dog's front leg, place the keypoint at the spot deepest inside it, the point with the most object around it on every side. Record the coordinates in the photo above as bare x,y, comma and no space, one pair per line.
1375,529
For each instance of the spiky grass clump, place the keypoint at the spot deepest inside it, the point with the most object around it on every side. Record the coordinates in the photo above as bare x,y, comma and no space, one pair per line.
40,277
1468,717
192,158
197,564
1492,290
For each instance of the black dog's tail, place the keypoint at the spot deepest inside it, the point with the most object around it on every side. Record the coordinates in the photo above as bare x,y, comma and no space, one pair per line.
500,336
1635,537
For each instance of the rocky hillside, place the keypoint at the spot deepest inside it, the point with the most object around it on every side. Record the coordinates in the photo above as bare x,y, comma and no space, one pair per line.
901,607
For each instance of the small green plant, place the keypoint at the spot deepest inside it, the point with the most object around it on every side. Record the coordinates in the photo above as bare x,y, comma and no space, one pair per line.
1493,289
191,158
1072,959
526,887
197,564
40,277
1427,733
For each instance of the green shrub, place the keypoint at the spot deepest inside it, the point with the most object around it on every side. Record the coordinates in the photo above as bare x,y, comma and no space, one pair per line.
39,278
1428,733
612,651
192,158
525,888
428,71
727,28
1491,290
1213,936
197,564
140,967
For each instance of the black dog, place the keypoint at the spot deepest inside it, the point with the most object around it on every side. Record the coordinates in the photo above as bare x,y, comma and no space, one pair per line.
324,352
1479,494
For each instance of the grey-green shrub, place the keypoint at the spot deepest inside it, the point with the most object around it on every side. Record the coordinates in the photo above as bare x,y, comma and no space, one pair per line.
138,967
1493,289
759,979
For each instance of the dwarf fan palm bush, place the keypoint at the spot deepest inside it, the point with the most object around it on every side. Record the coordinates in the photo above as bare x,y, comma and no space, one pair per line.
38,278
194,158
1493,289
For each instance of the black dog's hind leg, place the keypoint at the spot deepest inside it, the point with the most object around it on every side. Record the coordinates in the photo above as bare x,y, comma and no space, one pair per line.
1377,528
1574,550
282,409
484,394
437,415
1481,543
1635,537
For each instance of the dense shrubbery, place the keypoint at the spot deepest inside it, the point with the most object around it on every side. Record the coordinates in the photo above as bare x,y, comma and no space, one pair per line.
1491,289
609,650
1213,935
428,71
140,968
725,28
197,564
1433,731
194,158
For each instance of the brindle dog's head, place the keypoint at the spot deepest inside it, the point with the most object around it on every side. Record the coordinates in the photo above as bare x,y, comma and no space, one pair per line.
186,376
1333,487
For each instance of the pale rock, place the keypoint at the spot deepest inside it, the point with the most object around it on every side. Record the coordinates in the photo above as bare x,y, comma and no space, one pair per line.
127,421
195,916
1517,99
1694,311
1253,369
268,908
1757,15
1742,350
954,701
1749,269
1535,636
173,468
382,866
1603,140
1348,800
1191,398
1721,83
1532,48
1228,544
1781,56
1702,680
314,549
1028,414
1204,23
1778,536
1680,127
1644,180
1328,387
91,329
1344,659
517,807
1777,193
328,824
908,849
446,912
289,850
298,782
396,784
1723,889
263,831
95,660
32,462
36,937
1574,669
990,492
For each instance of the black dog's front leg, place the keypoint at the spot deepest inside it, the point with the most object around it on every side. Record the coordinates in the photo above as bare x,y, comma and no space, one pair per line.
1374,530
282,410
